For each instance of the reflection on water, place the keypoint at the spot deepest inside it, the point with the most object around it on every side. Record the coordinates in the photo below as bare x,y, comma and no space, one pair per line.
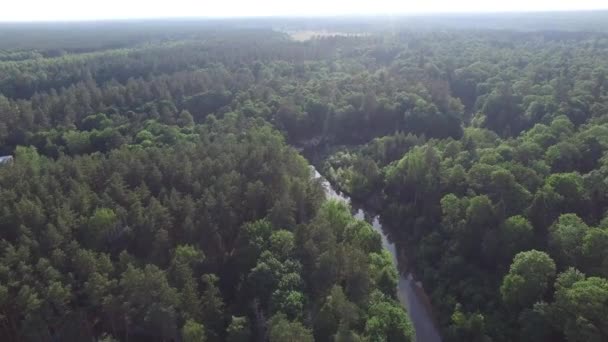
410,294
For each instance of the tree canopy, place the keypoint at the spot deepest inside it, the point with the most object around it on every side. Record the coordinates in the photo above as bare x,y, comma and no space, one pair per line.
158,188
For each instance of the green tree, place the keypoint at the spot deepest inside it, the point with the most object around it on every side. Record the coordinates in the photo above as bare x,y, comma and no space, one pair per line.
467,327
516,235
595,251
282,243
387,321
238,330
583,307
213,307
337,311
280,330
185,119
528,279
100,224
193,331
566,238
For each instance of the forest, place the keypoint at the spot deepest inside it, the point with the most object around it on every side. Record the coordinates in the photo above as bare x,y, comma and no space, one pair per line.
161,186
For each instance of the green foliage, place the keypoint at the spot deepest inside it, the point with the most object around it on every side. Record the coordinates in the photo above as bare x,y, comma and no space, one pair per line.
153,195
193,332
576,312
383,272
566,238
336,312
595,251
281,329
467,327
526,175
282,243
516,235
528,278
386,321
238,330
99,225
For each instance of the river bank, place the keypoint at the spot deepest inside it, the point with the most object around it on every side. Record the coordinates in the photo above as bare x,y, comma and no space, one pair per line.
410,293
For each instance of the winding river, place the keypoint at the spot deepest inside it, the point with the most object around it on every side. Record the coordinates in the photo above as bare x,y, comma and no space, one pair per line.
410,293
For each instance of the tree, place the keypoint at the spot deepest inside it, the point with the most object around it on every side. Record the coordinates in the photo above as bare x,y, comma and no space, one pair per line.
337,311
387,321
595,251
212,306
193,331
563,157
516,234
503,111
566,238
384,273
184,259
480,215
238,330
281,329
289,302
265,276
185,119
345,335
467,327
582,307
528,278
513,195
453,213
536,323
572,195
149,301
282,243
100,224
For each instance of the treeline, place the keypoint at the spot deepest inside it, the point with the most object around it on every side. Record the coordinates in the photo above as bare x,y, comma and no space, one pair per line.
300,87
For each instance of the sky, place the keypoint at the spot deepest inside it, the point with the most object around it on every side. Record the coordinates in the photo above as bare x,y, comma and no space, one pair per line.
71,10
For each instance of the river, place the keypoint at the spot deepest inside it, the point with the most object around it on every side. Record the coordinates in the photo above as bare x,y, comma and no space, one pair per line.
410,293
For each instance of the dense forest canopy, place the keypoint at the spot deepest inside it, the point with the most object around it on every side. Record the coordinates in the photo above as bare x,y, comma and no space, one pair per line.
157,191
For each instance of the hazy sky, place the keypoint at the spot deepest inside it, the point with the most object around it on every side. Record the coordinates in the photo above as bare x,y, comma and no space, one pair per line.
28,10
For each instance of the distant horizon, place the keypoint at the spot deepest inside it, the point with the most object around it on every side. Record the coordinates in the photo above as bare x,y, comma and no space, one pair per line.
319,16
64,11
